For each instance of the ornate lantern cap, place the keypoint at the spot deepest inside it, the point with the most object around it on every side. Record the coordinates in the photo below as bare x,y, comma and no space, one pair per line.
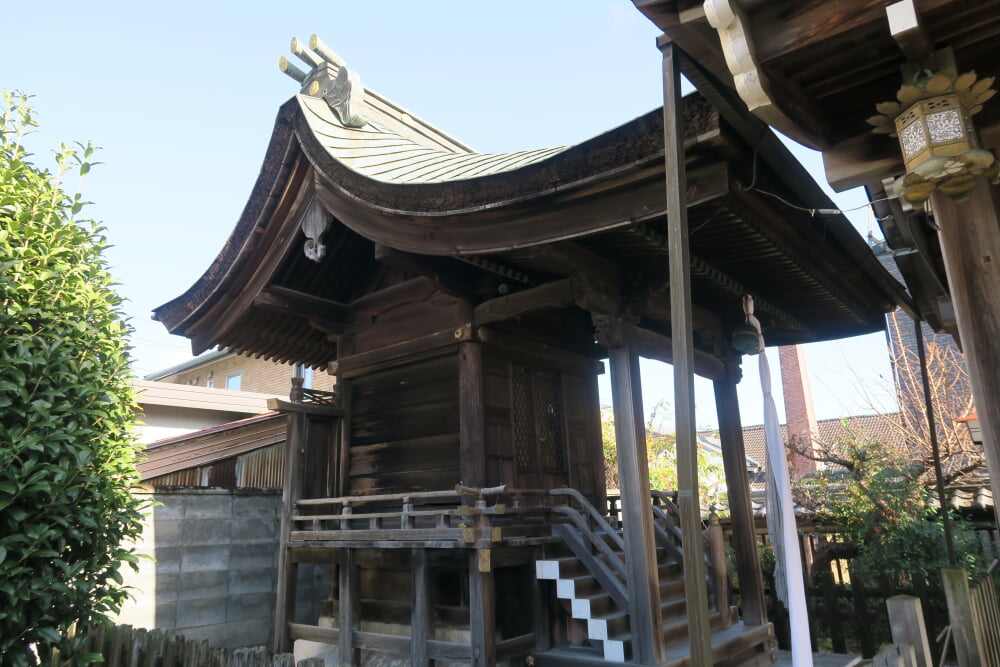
933,121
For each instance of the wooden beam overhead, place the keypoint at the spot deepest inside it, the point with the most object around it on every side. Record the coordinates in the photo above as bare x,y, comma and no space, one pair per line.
447,275
653,345
779,29
323,314
558,294
905,28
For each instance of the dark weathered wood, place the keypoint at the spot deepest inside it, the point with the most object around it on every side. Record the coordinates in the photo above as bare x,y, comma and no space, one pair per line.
860,160
637,518
653,345
284,608
439,650
373,535
518,347
970,243
683,360
515,646
558,294
445,273
482,613
776,35
744,542
597,562
291,203
865,625
364,362
349,607
421,609
314,633
581,208
326,315
280,405
719,572
471,415
771,152
541,595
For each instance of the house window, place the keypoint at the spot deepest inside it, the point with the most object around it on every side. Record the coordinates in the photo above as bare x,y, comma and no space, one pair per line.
193,382
538,420
307,377
211,379
234,380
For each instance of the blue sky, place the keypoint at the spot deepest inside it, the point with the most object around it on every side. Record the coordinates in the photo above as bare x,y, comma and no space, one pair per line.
182,98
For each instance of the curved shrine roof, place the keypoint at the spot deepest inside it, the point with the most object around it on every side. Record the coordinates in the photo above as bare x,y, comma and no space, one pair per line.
528,218
383,155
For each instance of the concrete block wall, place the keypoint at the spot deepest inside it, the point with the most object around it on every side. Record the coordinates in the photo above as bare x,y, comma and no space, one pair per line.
215,565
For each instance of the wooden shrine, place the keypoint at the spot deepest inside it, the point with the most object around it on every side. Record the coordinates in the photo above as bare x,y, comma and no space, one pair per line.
453,486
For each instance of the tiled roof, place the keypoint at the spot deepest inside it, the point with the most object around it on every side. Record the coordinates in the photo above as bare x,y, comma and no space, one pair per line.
831,431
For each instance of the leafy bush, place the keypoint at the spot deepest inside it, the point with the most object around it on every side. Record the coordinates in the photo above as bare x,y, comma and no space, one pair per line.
661,453
67,458
880,500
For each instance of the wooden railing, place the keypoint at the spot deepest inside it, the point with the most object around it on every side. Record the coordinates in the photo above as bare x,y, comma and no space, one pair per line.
593,539
455,517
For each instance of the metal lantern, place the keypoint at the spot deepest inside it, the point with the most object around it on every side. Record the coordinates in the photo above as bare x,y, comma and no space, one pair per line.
746,339
933,121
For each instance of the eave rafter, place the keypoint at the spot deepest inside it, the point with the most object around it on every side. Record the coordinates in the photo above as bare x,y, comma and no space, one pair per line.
700,267
328,316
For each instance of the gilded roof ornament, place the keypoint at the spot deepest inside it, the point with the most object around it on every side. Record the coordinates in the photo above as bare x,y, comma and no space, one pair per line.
328,78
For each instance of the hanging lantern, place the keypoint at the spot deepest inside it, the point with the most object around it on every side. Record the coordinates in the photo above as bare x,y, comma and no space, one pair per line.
746,339
933,122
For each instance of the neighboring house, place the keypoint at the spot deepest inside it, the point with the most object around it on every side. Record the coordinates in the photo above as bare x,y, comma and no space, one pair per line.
221,369
170,410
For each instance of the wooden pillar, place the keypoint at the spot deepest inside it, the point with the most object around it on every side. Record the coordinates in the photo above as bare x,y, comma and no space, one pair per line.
345,346
284,604
688,502
645,617
349,608
482,609
471,415
744,539
970,242
421,609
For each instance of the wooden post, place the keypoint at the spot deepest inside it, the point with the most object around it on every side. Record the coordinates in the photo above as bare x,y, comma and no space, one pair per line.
349,607
284,603
964,629
482,611
688,503
345,346
541,597
906,620
970,243
642,574
744,540
720,577
421,609
471,415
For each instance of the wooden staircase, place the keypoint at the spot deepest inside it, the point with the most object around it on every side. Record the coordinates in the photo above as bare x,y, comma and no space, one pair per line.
590,584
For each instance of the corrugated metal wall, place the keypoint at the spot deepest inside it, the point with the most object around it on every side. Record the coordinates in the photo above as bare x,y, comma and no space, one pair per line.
261,468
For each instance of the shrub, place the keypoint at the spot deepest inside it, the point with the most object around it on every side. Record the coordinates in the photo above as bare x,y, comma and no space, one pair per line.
67,457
